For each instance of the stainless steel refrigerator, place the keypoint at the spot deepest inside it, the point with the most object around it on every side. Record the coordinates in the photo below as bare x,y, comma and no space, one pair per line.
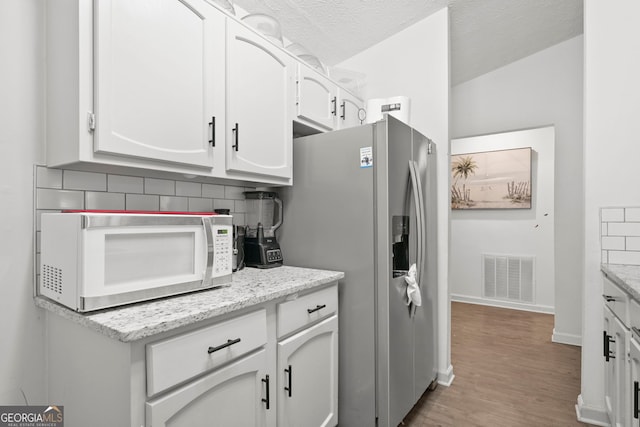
363,202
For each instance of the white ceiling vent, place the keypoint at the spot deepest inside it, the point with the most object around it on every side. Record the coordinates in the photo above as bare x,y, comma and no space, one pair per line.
509,277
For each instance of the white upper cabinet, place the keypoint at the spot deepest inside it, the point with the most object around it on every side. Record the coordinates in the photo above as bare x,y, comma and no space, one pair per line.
260,87
317,99
348,110
159,78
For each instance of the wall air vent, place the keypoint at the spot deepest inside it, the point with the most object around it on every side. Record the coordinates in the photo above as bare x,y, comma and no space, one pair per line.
508,277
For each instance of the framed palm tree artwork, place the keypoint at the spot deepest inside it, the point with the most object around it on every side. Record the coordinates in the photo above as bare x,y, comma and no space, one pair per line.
491,179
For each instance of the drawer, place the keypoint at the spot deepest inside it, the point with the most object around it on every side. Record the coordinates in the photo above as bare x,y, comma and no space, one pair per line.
306,309
176,359
634,318
617,300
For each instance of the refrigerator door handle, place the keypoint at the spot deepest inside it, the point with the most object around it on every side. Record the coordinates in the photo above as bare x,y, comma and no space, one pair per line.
416,185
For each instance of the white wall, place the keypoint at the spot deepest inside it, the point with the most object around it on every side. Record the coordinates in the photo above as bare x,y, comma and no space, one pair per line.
521,232
612,150
415,63
21,145
542,89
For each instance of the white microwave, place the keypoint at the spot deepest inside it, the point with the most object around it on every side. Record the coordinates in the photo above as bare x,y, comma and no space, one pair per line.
95,260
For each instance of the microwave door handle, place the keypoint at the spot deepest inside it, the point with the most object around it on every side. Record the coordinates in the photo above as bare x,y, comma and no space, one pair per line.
208,240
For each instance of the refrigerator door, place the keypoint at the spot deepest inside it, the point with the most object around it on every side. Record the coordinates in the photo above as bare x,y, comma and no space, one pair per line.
328,223
424,155
398,186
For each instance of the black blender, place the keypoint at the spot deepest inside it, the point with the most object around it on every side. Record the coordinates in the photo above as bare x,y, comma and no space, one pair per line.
261,249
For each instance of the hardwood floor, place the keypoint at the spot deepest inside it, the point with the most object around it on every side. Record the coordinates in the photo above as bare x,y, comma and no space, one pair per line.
508,373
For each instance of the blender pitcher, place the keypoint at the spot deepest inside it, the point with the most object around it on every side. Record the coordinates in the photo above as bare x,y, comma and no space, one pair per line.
261,247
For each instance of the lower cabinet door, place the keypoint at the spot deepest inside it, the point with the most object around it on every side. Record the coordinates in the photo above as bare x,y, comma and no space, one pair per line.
236,395
308,377
634,352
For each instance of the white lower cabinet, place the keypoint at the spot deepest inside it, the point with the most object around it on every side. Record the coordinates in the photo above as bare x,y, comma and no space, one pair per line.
308,376
237,394
229,372
634,367
616,376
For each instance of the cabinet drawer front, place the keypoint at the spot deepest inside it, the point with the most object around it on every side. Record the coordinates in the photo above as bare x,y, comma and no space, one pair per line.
176,359
306,309
617,300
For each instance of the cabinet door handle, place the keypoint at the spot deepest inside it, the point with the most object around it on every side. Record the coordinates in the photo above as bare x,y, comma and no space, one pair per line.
318,307
266,399
343,106
636,391
236,131
229,343
290,372
606,342
334,108
212,125
608,298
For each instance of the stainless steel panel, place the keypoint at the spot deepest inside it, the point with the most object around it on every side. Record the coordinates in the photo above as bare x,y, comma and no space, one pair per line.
328,223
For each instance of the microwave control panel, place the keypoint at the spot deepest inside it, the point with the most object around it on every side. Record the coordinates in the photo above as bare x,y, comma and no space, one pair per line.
223,249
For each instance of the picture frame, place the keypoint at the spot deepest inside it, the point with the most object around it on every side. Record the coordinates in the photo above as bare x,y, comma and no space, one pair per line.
499,179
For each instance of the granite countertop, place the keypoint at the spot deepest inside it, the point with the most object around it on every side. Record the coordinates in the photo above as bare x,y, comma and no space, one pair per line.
625,276
250,287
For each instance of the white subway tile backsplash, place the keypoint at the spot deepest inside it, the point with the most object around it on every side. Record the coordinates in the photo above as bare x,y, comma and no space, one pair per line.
223,204
125,184
234,192
604,231
163,187
624,257
239,219
213,191
174,204
604,257
632,214
188,189
59,199
48,178
78,180
200,205
612,214
613,242
239,206
109,201
624,229
632,243
142,202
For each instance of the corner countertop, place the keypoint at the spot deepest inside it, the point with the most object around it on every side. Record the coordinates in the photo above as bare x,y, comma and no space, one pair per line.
625,276
250,287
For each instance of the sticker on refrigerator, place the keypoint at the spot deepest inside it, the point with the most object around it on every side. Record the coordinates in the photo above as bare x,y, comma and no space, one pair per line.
366,157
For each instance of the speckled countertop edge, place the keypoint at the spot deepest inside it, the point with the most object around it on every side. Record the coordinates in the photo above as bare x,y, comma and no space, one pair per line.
250,287
625,276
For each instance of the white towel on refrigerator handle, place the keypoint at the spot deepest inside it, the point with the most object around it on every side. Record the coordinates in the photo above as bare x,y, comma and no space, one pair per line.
413,289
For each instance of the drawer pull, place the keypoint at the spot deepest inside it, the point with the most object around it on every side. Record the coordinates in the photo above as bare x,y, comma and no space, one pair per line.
266,399
609,298
607,340
229,343
636,390
318,307
290,372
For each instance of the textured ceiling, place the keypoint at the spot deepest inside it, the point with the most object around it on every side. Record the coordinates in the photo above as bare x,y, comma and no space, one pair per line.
485,34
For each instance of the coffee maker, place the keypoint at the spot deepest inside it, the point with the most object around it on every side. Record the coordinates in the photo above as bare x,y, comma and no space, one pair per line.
261,249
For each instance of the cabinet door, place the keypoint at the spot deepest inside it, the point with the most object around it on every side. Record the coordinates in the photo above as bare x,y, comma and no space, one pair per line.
634,366
308,377
616,371
159,78
231,396
348,109
260,96
317,99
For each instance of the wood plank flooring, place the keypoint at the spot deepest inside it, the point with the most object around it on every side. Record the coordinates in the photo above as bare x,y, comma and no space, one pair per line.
508,373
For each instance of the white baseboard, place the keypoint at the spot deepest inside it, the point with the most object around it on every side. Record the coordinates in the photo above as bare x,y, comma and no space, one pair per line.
591,414
503,304
446,378
563,338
